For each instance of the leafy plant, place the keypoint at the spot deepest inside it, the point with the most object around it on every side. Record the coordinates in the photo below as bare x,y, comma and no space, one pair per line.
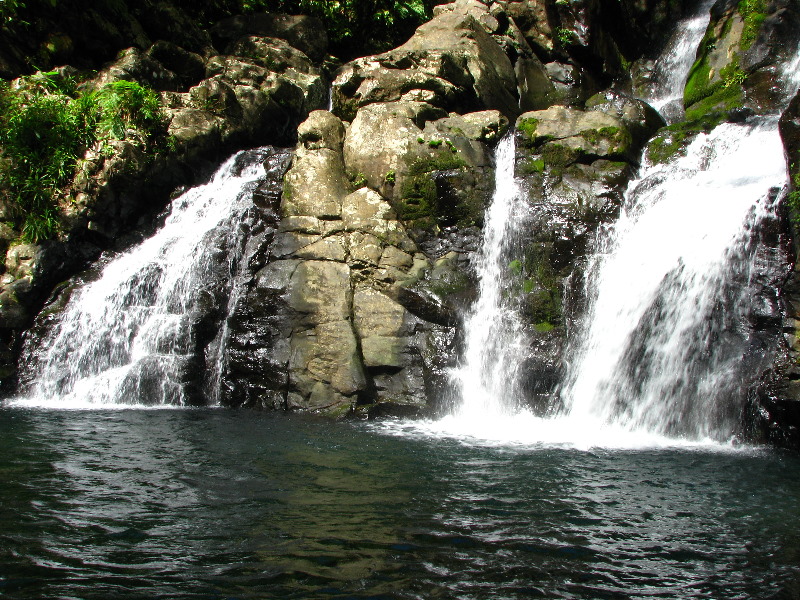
564,36
128,104
358,26
46,125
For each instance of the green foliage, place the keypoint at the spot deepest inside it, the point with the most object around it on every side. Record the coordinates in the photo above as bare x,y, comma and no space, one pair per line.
357,181
127,104
435,143
391,177
564,36
8,10
46,125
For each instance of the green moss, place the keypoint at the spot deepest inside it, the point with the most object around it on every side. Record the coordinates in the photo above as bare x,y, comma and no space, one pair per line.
724,99
442,162
435,143
538,287
754,13
286,193
527,129
672,140
419,201
532,166
722,95
698,82
618,138
557,157
793,199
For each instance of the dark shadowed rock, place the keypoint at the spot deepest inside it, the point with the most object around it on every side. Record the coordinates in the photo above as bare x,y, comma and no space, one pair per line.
306,33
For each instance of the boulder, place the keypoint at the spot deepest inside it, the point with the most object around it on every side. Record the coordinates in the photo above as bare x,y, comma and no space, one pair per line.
431,166
332,282
451,62
188,67
740,58
565,135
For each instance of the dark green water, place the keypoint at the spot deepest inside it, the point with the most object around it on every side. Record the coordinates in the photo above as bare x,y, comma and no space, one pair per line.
223,504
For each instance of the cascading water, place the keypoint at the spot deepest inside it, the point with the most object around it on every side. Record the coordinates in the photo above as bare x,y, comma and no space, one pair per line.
672,67
668,326
667,345
135,334
487,378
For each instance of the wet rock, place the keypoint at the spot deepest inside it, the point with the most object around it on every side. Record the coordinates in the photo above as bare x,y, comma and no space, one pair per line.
329,293
740,58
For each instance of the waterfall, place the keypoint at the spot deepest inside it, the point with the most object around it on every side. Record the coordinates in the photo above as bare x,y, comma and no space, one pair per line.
487,381
668,343
487,377
670,338
666,338
138,333
672,67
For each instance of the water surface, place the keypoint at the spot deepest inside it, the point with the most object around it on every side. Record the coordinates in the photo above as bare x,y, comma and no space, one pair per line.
237,504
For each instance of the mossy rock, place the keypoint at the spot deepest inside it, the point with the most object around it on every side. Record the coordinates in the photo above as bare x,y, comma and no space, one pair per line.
716,81
440,190
537,285
527,131
672,141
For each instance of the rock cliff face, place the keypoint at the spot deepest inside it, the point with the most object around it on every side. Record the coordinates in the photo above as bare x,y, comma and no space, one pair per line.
360,268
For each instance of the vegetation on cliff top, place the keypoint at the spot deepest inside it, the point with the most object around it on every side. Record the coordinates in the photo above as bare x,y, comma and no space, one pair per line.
355,27
46,126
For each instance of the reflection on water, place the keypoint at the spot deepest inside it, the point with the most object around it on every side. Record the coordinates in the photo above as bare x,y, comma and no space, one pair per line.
227,504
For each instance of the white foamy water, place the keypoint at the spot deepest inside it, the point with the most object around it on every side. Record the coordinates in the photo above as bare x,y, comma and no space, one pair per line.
658,352
672,67
528,431
127,338
658,359
486,378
